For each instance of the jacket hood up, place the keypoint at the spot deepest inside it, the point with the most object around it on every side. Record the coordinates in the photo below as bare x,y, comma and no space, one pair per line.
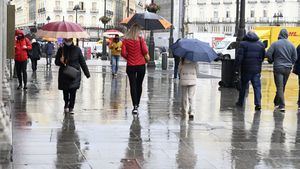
283,34
17,32
251,36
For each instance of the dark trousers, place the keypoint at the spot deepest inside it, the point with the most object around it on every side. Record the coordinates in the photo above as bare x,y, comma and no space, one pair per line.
69,98
176,64
21,68
255,81
136,76
281,76
33,64
299,90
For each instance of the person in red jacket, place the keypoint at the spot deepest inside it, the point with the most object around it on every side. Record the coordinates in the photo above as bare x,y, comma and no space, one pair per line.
134,49
22,45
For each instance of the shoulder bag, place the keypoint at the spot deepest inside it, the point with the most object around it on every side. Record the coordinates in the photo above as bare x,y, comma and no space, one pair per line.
69,71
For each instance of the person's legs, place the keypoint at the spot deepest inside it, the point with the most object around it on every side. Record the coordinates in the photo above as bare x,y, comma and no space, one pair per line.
176,64
113,64
47,59
72,98
66,98
279,82
131,72
191,96
24,72
244,87
184,103
35,64
117,63
140,78
256,83
32,64
18,66
50,59
298,90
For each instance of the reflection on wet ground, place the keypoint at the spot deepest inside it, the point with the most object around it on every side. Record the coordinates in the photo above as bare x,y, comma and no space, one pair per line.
104,134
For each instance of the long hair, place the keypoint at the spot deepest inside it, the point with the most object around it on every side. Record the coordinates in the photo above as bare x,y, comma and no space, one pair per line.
133,32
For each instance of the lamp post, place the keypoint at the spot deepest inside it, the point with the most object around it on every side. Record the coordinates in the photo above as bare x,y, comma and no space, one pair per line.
48,19
104,29
127,8
151,45
171,39
276,16
76,8
237,17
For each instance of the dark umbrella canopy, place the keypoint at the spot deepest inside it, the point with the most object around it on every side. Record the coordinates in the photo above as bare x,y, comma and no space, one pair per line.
194,50
147,20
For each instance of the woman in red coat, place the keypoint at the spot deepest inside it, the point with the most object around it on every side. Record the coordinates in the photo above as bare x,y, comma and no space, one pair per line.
22,45
134,49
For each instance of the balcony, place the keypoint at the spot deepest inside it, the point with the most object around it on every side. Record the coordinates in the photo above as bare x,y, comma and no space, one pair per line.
94,11
265,1
227,20
57,9
279,1
214,20
252,1
81,11
41,10
264,19
215,2
251,20
202,2
69,10
227,2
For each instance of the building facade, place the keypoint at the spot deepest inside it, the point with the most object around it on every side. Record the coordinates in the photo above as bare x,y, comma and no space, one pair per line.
34,13
218,16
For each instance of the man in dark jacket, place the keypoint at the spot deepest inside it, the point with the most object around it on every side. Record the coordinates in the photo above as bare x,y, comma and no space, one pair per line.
35,54
297,72
49,48
250,56
284,55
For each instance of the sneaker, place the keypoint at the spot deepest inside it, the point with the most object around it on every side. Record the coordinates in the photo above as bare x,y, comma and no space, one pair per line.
25,87
71,110
281,108
191,116
135,110
19,87
66,110
257,107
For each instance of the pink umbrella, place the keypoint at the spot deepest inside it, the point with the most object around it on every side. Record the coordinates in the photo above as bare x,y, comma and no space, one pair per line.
112,32
62,29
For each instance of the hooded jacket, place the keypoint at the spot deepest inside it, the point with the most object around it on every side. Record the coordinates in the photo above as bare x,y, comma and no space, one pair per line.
282,52
188,73
21,47
250,54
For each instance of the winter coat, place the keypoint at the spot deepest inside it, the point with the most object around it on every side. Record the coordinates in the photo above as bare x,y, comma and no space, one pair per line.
74,58
49,48
133,51
297,64
188,73
116,48
250,54
36,51
21,47
282,52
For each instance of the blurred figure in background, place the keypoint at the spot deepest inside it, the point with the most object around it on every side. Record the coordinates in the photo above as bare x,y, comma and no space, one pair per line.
35,54
49,48
116,48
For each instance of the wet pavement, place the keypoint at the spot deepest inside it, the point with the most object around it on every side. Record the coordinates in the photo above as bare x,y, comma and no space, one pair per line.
104,134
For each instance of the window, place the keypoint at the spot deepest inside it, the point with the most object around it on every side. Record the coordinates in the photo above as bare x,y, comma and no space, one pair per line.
232,46
57,18
227,14
252,13
265,13
71,4
57,4
215,14
94,20
94,6
81,21
70,18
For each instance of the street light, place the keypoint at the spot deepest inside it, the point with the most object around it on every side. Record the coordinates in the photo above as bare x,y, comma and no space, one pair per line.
48,19
104,29
277,16
76,8
151,47
171,39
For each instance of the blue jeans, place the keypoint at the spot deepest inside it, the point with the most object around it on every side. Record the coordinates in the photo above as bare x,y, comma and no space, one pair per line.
114,63
255,81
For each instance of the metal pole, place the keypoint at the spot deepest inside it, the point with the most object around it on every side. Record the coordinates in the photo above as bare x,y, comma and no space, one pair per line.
171,39
151,48
127,8
182,19
76,22
237,18
104,39
241,31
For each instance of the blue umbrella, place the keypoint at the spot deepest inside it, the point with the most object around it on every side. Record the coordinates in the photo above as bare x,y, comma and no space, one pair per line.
194,50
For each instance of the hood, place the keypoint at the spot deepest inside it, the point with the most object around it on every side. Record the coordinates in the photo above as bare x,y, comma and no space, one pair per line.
17,32
251,36
283,34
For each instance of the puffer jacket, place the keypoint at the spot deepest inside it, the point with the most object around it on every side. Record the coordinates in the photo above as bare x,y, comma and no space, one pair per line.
250,54
188,73
21,47
133,51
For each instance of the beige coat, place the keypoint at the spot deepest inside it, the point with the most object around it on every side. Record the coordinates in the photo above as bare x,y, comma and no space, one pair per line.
188,73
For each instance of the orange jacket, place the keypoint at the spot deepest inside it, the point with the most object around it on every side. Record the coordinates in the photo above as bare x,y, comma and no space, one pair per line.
21,47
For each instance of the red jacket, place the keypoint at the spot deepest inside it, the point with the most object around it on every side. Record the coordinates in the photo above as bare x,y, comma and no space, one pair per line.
21,47
133,51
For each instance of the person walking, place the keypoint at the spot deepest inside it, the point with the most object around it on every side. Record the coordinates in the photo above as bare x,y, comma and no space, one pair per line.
22,45
35,54
250,55
176,64
70,55
134,49
188,79
296,70
49,48
116,47
284,55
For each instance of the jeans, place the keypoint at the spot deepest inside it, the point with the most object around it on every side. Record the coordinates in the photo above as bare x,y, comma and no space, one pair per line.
115,63
255,81
69,98
176,64
33,64
281,76
188,98
49,59
21,69
136,76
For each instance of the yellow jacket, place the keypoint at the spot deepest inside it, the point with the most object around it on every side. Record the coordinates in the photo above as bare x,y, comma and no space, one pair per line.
116,48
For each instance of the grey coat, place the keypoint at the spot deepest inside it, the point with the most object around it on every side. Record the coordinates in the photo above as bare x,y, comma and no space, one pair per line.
75,59
282,52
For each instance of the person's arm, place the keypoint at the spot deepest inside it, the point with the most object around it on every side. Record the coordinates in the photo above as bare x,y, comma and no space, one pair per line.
58,57
83,64
28,44
144,47
197,69
270,53
294,55
111,45
124,51
240,57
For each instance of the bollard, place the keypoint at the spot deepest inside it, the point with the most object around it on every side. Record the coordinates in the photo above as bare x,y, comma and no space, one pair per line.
164,63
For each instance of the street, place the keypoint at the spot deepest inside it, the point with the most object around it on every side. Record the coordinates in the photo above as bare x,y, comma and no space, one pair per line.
104,134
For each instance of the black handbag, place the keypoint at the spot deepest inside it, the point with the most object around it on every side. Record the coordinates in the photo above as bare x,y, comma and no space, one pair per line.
70,72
